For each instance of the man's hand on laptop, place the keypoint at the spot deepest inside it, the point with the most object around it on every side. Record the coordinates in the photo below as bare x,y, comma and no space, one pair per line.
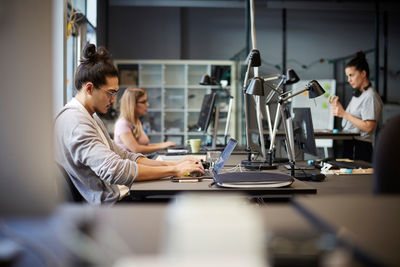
186,159
189,166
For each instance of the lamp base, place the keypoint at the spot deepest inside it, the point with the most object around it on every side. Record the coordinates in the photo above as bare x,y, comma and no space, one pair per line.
258,165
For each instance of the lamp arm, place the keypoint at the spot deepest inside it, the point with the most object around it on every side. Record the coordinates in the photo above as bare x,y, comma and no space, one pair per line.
272,78
293,95
288,144
274,90
246,76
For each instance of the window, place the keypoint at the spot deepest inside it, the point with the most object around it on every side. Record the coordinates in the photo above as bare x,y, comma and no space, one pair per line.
81,29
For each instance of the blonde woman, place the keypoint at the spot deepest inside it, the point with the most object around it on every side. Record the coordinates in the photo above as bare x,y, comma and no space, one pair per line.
128,131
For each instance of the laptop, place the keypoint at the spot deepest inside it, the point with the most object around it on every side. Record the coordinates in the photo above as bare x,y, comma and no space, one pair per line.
219,164
250,179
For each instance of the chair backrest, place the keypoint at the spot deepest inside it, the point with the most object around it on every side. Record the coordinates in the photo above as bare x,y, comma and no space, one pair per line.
68,188
386,158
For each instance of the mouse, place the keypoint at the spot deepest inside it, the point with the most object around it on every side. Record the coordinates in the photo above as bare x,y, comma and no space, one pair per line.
317,177
195,174
206,164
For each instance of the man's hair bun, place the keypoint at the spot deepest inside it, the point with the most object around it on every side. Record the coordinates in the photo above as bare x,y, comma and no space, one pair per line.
103,53
95,67
90,55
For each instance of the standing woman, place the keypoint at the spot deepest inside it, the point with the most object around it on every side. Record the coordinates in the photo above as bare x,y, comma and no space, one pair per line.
128,130
362,113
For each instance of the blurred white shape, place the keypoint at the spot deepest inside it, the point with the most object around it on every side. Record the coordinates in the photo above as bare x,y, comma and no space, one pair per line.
209,230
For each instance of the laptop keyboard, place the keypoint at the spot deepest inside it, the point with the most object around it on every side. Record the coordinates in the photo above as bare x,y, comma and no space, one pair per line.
350,165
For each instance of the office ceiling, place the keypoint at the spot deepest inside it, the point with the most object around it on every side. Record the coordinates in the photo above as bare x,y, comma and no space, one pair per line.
273,4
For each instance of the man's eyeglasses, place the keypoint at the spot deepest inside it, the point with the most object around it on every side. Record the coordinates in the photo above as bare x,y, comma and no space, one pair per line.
111,93
143,101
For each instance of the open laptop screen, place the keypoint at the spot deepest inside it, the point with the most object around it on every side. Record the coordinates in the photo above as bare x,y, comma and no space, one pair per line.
224,156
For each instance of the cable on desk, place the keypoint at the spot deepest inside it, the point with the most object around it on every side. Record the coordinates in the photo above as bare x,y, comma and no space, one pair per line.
260,201
233,169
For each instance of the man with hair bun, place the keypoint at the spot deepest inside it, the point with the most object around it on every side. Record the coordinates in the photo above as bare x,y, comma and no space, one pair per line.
363,112
100,170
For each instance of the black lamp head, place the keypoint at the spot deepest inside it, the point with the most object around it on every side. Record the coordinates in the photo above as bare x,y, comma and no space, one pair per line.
255,57
207,80
314,89
291,77
256,87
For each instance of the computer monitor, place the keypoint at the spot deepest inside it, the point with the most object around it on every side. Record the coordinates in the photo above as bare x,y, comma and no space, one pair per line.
304,131
206,112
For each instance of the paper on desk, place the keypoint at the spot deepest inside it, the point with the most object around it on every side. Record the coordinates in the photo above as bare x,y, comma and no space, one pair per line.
179,157
350,171
176,150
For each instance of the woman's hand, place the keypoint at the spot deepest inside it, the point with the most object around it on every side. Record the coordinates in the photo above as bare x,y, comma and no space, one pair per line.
168,144
336,107
333,99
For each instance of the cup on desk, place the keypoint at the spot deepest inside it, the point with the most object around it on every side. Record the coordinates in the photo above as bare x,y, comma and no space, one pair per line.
212,157
194,145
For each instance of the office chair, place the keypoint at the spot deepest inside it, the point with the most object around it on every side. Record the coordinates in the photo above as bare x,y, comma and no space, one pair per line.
69,190
386,159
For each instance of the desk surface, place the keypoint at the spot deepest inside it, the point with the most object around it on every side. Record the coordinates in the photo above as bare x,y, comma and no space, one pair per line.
165,189
344,184
322,134
367,224
333,184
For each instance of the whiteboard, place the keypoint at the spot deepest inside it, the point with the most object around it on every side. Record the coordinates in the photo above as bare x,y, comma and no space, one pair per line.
320,110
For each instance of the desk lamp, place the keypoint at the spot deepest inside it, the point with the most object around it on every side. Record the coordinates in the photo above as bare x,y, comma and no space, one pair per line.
288,79
209,81
314,90
254,60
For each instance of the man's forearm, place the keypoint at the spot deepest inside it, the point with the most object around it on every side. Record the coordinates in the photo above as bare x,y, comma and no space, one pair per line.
150,162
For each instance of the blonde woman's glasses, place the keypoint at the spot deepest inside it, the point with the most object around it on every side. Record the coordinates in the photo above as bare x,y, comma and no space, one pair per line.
143,101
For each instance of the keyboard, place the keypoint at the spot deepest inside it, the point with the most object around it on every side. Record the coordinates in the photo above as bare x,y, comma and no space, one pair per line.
287,167
357,164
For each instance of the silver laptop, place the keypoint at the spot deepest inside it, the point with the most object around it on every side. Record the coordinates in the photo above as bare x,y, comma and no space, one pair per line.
250,179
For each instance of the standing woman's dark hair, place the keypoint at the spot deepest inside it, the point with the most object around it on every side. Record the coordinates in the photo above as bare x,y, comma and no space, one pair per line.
95,67
360,63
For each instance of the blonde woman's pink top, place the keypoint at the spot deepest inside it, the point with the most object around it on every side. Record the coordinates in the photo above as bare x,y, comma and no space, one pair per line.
124,126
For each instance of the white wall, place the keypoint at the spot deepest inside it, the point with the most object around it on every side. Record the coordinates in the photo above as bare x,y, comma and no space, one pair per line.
59,54
27,184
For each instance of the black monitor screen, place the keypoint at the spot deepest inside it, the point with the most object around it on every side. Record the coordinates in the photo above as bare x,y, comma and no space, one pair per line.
304,131
206,112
